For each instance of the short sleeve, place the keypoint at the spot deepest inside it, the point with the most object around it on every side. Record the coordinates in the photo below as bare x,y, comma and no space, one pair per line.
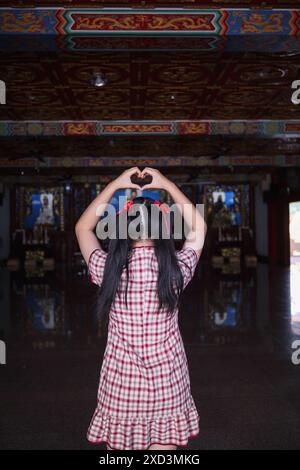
187,260
96,265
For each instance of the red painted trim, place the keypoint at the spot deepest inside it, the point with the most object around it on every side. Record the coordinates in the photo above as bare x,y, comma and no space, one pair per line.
61,22
295,23
223,24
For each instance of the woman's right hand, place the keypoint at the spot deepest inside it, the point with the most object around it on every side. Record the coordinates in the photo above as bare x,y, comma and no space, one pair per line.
159,181
124,180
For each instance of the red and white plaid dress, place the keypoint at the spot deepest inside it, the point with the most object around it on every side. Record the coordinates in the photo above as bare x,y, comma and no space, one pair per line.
144,394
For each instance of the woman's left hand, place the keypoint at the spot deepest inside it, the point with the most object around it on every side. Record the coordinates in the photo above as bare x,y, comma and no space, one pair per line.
124,180
159,181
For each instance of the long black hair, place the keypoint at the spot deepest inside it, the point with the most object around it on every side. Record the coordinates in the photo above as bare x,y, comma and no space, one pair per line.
170,279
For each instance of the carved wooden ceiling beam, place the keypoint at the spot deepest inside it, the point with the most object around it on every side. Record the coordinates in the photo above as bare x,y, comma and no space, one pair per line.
150,22
151,4
69,163
262,128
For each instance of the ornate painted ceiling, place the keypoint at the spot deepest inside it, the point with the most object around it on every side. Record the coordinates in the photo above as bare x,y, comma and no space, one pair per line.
153,85
217,93
148,147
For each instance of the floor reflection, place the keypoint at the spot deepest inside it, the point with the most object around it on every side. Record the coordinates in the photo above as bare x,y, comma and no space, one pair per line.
58,309
236,326
50,311
227,309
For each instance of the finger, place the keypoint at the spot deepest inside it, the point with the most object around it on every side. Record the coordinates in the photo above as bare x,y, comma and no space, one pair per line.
147,171
134,170
135,186
147,186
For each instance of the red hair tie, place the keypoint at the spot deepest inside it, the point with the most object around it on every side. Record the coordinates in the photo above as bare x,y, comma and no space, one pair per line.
165,209
126,207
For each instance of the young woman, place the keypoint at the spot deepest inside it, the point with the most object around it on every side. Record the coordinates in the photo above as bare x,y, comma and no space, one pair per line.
144,395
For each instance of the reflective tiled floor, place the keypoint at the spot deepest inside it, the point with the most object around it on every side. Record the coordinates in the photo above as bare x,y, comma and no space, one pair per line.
238,328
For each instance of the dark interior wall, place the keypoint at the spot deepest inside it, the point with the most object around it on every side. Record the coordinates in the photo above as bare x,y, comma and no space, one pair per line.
261,222
4,222
275,203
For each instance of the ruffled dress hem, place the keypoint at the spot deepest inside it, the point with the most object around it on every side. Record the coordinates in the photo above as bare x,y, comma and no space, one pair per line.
141,433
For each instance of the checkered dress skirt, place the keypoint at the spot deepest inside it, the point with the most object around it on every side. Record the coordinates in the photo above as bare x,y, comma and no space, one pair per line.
144,394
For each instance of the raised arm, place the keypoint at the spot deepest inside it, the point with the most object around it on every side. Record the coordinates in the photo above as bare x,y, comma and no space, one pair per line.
192,217
87,222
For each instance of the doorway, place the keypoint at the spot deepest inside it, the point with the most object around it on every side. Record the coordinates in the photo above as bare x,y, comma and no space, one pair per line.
294,231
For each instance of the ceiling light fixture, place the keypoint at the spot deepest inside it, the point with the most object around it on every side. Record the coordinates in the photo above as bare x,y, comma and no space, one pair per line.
269,72
98,80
